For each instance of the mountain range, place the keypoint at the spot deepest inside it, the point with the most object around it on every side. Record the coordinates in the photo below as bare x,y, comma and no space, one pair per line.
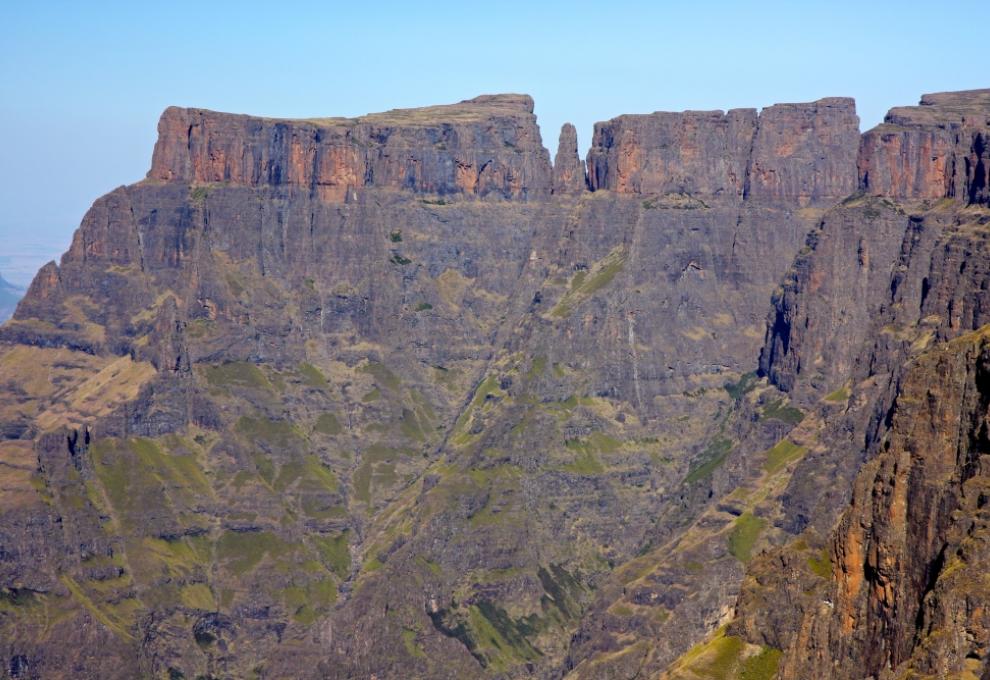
396,396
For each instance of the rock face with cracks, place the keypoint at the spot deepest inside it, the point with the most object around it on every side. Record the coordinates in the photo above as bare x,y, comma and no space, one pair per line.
395,397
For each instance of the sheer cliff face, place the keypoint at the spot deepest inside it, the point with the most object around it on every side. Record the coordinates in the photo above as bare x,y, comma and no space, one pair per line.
883,582
791,154
488,145
393,396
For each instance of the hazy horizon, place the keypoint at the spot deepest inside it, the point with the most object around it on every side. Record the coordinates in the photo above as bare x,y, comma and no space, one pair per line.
82,89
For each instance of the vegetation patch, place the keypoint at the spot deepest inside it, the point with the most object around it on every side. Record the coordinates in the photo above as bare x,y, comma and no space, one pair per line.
377,469
584,285
596,442
242,551
382,375
236,374
711,459
782,454
487,390
726,657
327,424
840,396
312,376
585,463
747,383
821,564
745,531
412,647
306,603
118,619
777,410
334,553
197,596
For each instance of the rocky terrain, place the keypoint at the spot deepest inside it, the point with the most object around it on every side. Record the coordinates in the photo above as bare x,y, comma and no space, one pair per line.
397,397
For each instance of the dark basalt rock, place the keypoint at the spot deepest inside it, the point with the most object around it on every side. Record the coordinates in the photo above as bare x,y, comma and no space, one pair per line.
393,396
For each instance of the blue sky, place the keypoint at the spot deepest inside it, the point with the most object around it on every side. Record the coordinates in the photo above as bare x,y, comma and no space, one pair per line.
82,84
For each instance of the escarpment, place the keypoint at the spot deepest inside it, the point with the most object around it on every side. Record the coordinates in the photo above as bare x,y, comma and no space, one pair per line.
394,396
789,153
487,145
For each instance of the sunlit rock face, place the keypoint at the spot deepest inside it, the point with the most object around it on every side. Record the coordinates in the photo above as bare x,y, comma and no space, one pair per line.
395,396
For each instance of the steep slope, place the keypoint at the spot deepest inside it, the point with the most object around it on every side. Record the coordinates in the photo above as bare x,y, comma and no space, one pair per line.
861,327
393,396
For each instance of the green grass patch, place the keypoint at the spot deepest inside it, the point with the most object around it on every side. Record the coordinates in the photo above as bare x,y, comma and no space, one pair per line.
197,596
782,454
114,619
236,374
711,458
584,285
745,531
334,553
596,442
412,647
727,657
242,551
821,564
327,424
312,376
502,641
777,410
747,383
840,396
762,665
382,375
280,434
585,463
536,367
198,194
309,471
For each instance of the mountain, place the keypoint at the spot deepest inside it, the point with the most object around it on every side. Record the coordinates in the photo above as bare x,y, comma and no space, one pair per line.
9,296
394,396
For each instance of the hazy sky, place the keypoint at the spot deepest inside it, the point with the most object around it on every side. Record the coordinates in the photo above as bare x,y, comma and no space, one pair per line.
82,84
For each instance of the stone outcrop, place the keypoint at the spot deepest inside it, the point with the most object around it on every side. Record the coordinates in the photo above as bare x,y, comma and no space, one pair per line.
487,145
939,149
800,153
700,153
898,590
568,168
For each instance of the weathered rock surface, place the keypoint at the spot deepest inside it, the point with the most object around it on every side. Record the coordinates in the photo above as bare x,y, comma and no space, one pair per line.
394,397
935,150
568,169
791,153
487,145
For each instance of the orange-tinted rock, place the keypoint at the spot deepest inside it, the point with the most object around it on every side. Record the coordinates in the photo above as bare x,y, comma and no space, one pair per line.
701,153
487,145
934,150
796,153
805,152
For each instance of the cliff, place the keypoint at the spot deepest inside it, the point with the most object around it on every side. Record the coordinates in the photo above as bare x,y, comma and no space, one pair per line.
938,149
393,396
790,153
487,145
